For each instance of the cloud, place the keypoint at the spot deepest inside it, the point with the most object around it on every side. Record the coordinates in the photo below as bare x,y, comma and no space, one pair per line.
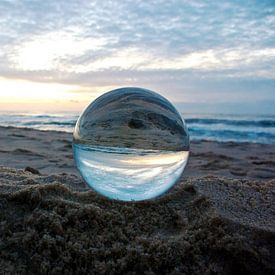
46,52
178,45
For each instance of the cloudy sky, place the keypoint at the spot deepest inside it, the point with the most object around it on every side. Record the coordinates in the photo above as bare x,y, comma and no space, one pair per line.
202,55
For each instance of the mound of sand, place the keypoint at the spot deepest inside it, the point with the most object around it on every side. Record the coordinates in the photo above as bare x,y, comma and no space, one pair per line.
54,224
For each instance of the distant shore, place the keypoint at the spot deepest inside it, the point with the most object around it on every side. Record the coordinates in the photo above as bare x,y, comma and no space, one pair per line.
218,127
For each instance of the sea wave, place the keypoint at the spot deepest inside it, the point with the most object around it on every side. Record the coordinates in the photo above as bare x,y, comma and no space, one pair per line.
61,123
232,135
219,127
238,122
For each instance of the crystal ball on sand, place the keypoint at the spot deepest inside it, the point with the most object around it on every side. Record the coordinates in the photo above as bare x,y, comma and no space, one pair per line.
130,144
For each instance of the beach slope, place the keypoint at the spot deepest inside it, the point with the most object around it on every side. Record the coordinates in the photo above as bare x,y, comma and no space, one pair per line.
54,224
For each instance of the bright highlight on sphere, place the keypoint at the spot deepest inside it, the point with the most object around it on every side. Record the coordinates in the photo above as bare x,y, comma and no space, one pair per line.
131,144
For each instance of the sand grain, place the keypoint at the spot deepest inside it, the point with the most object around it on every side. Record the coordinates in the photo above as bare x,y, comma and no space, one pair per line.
53,224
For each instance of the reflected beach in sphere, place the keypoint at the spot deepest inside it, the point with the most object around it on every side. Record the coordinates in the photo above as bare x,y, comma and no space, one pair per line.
131,144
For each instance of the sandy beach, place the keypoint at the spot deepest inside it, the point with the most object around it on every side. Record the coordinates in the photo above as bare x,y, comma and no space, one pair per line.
50,152
137,137
219,219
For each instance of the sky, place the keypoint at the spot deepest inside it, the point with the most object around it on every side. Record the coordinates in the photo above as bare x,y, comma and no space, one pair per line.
204,56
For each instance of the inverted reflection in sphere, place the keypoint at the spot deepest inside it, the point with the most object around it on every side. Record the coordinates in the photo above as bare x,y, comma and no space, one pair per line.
131,144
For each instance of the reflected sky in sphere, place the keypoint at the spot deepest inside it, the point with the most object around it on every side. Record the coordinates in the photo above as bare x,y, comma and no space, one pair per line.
131,144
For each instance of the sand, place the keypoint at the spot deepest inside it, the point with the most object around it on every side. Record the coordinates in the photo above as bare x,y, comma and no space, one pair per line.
215,221
50,152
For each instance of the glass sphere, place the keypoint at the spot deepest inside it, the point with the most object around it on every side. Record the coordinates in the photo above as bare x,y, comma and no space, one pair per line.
130,144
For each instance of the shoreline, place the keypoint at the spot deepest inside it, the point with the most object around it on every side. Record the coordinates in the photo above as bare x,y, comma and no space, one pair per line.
191,141
50,152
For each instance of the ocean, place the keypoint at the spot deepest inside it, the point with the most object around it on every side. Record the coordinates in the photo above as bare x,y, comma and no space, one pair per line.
218,127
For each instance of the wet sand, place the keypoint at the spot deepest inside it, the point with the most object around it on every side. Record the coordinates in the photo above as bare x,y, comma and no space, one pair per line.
50,152
218,220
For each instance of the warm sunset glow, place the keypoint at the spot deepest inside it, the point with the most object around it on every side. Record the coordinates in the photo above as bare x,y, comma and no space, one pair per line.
21,90
165,159
22,95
